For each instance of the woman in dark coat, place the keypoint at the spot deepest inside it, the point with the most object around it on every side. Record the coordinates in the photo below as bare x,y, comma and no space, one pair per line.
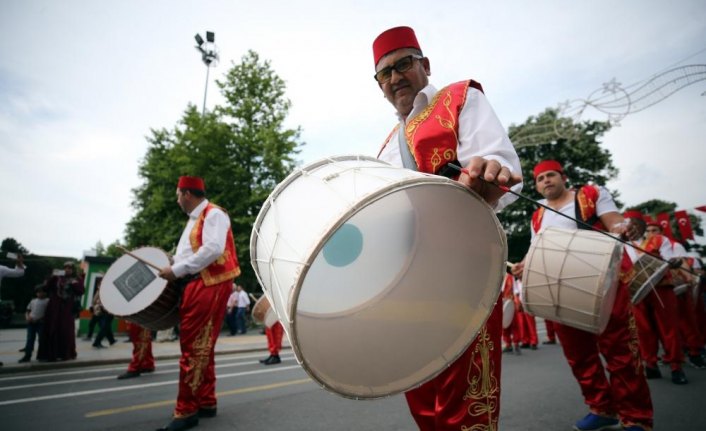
59,340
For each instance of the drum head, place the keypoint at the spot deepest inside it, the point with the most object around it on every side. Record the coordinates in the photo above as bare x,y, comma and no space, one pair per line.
130,286
508,312
649,271
398,288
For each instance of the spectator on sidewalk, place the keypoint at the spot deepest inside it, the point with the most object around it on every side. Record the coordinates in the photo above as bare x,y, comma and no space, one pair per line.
35,318
242,310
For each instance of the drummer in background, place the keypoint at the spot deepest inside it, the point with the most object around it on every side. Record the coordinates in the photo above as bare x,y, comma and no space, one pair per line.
142,358
435,127
512,335
527,321
689,330
274,343
625,397
205,263
656,315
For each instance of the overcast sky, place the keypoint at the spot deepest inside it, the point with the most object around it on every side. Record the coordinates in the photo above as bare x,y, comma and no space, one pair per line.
82,83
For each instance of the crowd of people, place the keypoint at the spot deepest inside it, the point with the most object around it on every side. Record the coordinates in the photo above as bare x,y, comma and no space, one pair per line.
434,128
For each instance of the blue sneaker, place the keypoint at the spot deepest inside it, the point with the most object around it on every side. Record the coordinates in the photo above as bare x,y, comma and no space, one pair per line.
597,423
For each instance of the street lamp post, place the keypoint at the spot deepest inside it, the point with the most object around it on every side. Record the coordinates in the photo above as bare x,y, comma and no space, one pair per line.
209,56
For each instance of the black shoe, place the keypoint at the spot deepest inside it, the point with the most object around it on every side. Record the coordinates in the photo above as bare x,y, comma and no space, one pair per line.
697,361
274,359
181,424
112,342
533,347
507,349
678,377
525,345
208,412
25,358
22,349
262,361
98,346
129,375
549,342
653,373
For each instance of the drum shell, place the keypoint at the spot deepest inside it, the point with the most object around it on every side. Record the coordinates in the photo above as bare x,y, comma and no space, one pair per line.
287,289
571,277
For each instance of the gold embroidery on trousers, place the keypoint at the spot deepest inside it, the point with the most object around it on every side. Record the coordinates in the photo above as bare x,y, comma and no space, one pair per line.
633,344
201,350
483,389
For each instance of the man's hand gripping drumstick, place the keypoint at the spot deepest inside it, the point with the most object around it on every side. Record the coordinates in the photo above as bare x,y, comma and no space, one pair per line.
166,272
479,172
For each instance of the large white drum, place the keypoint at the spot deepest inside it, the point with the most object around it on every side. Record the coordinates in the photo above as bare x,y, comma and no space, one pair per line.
133,290
571,277
381,276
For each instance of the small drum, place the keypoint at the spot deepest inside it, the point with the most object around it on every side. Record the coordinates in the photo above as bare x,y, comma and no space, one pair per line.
571,277
263,313
681,289
508,312
648,272
381,276
133,291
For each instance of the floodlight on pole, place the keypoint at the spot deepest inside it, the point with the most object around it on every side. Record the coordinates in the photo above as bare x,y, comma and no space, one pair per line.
209,56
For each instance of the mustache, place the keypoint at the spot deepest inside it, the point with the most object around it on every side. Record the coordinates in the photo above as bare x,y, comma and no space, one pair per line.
400,84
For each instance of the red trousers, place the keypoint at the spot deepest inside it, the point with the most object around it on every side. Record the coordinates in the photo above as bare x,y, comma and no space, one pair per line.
142,359
529,328
274,338
688,325
467,394
625,392
513,333
551,332
201,314
657,320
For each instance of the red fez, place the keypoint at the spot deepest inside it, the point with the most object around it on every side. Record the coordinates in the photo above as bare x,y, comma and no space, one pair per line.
632,214
547,165
194,183
392,39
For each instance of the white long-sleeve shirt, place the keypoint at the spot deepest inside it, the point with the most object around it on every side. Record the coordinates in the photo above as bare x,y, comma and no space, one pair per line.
215,231
480,133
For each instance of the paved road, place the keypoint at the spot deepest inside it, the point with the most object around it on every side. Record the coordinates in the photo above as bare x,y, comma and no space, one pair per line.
538,395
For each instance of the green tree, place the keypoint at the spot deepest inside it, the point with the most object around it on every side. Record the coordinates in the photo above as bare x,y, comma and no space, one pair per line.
575,145
241,149
11,245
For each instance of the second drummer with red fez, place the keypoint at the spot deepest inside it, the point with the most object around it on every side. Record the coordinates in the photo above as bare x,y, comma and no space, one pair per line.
624,398
206,263
656,314
454,124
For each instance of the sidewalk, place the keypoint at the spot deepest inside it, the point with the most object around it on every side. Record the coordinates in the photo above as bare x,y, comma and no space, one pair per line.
11,340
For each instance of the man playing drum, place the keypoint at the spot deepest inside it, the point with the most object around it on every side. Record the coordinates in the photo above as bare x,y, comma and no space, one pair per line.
657,315
454,124
206,264
624,398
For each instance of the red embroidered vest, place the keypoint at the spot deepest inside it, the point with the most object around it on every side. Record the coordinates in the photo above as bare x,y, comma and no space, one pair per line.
432,135
224,268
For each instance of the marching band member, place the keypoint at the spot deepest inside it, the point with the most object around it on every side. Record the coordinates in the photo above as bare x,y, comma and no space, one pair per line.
142,358
436,127
512,335
656,315
206,263
623,398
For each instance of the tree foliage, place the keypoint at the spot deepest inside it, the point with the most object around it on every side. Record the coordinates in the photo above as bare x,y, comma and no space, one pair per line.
580,153
241,149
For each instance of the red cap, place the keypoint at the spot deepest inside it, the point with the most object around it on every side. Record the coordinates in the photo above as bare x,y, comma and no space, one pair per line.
547,165
651,222
392,39
632,214
194,183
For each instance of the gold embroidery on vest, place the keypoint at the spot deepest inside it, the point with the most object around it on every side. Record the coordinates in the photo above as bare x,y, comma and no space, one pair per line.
198,362
483,389
411,128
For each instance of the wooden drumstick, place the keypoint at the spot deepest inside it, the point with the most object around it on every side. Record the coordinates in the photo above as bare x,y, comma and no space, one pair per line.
146,262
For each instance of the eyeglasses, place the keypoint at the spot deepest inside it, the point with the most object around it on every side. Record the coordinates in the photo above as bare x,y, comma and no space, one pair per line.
402,65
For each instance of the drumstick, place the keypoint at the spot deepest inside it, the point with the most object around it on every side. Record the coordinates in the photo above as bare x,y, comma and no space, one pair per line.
547,207
146,262
510,265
